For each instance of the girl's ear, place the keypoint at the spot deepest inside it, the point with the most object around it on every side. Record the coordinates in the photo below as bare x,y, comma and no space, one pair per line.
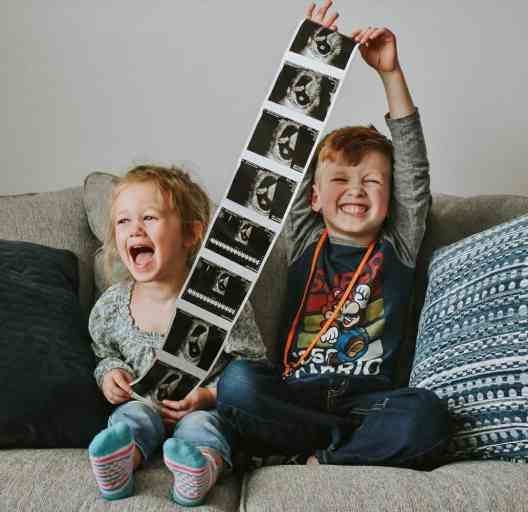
196,234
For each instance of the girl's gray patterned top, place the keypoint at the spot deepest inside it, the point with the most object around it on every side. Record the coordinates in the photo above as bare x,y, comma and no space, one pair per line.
119,343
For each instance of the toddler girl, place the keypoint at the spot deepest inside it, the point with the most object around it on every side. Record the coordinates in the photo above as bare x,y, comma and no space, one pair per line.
158,217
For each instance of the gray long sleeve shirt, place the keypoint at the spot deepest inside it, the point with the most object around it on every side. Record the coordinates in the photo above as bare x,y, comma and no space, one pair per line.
119,343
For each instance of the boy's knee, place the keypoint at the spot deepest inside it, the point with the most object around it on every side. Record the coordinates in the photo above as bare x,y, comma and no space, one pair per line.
236,385
430,404
431,414
236,369
236,374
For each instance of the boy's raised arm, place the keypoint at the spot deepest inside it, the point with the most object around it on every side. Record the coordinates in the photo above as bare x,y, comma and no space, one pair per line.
411,196
378,49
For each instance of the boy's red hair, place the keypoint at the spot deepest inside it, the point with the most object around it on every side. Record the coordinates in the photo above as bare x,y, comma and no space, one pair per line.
351,143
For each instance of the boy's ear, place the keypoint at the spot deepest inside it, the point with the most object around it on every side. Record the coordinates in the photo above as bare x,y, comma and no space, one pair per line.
196,234
316,198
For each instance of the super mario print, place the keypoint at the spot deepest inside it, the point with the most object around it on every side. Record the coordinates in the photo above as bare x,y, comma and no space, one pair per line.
354,335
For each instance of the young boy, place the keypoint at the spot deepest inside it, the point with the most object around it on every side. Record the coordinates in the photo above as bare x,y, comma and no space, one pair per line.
355,230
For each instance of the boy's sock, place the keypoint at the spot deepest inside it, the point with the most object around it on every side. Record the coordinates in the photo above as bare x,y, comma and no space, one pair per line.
111,455
195,472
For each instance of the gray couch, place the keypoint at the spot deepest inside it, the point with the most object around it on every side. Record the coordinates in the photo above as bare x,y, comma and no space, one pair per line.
61,479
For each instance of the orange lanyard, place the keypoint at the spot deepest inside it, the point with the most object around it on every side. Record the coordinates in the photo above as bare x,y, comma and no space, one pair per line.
288,369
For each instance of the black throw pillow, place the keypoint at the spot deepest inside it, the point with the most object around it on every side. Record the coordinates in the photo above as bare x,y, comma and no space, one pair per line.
48,394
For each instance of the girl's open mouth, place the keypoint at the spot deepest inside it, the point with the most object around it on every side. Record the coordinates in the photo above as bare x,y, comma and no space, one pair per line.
141,255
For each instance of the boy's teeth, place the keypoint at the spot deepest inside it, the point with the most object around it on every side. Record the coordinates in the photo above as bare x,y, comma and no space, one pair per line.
353,209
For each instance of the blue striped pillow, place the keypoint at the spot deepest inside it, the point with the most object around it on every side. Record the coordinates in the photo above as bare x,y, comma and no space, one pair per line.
472,343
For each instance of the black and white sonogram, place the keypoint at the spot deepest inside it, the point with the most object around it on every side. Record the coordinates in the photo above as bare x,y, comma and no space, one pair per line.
216,289
163,382
239,240
261,190
195,339
283,140
304,90
320,43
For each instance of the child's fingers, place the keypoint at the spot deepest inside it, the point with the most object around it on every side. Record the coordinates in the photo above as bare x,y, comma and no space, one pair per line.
117,395
378,32
176,405
321,12
331,21
310,10
358,34
355,33
365,36
171,415
120,379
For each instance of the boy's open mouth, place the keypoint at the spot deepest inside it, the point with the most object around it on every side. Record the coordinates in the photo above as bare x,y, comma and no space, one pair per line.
141,254
353,209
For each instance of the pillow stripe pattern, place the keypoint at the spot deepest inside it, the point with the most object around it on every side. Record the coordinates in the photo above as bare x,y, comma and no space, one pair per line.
472,343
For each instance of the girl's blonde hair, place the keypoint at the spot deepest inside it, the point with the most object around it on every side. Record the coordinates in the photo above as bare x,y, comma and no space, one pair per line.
185,196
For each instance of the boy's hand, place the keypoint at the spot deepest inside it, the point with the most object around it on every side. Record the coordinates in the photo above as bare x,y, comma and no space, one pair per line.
378,48
319,14
378,45
201,398
116,386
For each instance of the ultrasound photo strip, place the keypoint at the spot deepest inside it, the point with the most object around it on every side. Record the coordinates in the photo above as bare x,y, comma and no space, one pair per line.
239,239
252,211
216,289
283,140
163,381
304,90
195,339
322,44
261,190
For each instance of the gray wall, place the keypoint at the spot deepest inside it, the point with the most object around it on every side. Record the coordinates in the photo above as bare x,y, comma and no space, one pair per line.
103,84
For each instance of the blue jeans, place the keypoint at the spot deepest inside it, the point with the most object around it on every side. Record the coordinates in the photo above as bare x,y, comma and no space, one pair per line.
199,428
343,420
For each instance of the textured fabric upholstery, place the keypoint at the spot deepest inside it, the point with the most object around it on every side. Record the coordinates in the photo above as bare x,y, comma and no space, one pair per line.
452,218
62,481
55,219
46,363
472,344
97,191
461,487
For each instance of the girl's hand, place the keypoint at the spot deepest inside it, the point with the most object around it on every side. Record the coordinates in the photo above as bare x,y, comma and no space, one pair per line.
378,48
116,387
201,398
318,15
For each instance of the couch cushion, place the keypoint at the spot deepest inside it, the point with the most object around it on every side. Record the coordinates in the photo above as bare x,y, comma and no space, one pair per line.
52,480
462,487
55,219
97,192
472,345
48,393
451,219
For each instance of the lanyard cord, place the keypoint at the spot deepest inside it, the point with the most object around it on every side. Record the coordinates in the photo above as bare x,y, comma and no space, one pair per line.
288,369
